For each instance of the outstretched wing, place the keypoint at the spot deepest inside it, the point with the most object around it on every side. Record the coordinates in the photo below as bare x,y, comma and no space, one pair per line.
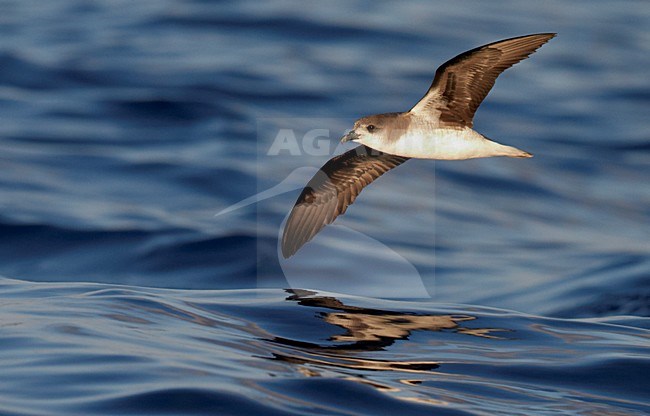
461,84
329,193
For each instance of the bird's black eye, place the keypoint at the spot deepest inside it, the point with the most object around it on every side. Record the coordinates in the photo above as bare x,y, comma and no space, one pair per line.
370,128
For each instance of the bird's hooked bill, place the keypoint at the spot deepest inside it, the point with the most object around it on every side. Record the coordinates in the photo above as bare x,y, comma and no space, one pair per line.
350,136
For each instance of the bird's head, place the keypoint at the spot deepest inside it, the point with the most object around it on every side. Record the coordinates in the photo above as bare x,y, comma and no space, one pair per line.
374,129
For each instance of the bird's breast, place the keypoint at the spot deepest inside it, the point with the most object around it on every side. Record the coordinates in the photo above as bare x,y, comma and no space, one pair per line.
444,144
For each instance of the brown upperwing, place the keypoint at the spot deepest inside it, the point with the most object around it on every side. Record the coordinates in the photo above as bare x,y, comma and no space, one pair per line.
461,84
329,193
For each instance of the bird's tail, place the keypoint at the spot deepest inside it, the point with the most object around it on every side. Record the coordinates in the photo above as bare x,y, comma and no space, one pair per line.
514,152
499,149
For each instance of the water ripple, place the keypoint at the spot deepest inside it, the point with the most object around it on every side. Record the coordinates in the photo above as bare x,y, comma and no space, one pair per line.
100,348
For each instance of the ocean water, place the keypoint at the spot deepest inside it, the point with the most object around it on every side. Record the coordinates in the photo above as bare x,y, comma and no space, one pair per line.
141,201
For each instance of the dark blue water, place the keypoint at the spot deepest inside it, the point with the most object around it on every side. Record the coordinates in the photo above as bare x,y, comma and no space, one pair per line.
518,286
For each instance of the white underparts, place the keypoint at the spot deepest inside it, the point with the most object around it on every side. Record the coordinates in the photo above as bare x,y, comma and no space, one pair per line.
443,144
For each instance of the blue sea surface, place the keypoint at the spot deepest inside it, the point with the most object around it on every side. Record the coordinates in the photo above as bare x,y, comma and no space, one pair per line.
142,197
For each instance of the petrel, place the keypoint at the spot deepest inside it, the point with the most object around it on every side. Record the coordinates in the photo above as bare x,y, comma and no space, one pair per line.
439,126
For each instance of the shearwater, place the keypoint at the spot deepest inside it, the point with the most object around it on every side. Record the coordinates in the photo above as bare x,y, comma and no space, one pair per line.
439,126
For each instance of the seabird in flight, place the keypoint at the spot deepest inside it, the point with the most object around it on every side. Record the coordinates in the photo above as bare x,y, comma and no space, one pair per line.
439,126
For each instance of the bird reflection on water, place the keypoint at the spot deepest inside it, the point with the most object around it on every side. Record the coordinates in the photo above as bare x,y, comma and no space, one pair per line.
368,329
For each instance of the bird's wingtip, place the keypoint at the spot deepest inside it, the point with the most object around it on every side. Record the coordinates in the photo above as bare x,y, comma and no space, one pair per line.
287,249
